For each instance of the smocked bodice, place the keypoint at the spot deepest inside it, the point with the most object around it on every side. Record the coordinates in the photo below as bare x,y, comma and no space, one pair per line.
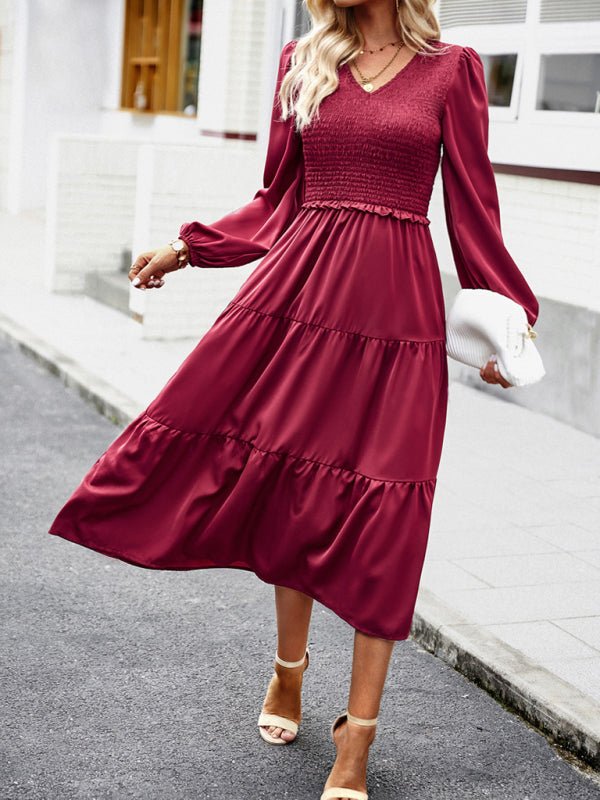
380,150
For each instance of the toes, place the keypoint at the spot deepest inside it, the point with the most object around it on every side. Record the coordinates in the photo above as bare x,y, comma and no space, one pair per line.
269,729
279,733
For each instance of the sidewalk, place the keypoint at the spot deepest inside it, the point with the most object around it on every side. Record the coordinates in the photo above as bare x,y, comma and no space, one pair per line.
510,592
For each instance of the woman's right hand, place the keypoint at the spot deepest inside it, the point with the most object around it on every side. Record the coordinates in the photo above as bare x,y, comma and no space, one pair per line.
149,268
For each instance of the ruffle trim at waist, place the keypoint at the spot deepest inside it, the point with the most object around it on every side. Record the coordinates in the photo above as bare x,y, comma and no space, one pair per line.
372,208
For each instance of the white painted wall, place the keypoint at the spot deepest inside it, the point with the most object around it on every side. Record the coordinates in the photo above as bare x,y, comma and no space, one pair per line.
155,171
90,207
551,229
59,89
7,47
16,30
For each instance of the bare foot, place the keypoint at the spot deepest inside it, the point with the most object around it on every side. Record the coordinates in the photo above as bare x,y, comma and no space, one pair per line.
284,698
350,768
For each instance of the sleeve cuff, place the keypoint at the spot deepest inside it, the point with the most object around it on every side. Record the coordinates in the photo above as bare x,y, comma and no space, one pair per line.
193,260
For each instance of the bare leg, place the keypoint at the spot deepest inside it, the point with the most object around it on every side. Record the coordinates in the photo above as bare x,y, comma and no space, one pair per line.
283,697
369,671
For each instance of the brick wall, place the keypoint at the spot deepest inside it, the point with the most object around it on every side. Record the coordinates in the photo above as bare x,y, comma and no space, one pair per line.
90,210
552,230
179,184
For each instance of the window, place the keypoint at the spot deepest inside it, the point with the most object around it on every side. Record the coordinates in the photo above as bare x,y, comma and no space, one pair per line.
191,63
453,13
569,82
570,11
161,55
500,77
302,19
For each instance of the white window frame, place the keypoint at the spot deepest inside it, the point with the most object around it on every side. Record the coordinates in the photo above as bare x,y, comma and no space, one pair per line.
510,112
523,134
493,40
560,39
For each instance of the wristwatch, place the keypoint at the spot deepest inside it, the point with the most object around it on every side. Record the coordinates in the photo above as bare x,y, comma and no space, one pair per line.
178,245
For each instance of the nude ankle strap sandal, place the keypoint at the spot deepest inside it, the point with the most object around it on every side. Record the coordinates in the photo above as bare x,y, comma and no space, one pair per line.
340,791
275,719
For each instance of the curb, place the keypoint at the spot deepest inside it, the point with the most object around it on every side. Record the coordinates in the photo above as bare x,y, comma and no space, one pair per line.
560,711
111,403
557,709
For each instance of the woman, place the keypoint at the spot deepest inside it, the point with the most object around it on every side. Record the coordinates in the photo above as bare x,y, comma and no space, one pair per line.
301,438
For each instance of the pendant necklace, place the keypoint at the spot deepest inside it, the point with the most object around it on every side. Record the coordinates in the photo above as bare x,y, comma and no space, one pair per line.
367,83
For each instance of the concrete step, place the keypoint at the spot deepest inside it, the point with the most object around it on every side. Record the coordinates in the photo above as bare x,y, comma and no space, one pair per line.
110,288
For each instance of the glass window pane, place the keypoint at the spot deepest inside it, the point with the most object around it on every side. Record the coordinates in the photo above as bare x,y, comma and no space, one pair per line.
500,77
192,35
569,82
302,19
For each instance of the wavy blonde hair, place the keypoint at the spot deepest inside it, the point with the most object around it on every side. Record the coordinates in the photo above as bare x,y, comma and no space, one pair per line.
333,39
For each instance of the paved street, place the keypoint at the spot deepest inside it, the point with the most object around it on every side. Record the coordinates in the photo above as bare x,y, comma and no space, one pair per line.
124,683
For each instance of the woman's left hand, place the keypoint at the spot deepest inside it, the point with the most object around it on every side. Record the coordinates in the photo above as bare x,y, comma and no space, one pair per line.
491,374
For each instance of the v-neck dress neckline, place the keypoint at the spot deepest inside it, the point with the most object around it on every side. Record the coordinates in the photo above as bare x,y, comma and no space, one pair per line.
392,80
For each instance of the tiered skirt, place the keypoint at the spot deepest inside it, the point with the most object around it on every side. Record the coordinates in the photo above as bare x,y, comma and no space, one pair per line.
301,438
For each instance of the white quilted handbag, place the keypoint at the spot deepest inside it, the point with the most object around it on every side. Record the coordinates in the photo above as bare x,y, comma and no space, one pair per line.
482,323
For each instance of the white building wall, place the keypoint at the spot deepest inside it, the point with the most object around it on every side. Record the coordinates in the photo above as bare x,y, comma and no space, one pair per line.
12,67
58,87
552,227
90,208
7,45
553,231
168,170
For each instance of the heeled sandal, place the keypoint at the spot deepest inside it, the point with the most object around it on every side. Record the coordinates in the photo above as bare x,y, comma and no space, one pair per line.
340,791
275,719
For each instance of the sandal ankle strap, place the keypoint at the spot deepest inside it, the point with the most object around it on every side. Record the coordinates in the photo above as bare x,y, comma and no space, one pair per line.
360,721
291,663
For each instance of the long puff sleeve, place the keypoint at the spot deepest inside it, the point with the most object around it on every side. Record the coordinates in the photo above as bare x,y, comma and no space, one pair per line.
470,193
246,234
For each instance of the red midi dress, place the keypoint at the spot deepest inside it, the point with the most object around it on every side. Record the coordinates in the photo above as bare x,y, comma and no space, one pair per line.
301,437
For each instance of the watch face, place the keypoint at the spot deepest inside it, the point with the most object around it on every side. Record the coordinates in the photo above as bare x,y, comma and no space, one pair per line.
177,245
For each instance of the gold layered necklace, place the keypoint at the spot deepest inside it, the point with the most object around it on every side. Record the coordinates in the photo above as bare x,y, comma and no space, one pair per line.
367,83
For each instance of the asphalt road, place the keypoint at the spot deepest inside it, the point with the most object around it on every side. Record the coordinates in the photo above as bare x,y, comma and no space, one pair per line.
120,682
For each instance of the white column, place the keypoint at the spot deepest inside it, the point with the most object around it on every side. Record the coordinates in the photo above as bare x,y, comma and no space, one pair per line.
238,40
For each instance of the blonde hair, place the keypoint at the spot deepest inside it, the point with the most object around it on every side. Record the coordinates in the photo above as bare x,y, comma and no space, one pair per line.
333,39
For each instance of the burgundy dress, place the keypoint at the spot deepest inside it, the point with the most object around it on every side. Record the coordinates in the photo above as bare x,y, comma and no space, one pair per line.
301,438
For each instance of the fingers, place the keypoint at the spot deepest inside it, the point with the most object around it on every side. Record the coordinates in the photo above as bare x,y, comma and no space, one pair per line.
490,373
153,282
149,269
145,274
141,261
148,277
